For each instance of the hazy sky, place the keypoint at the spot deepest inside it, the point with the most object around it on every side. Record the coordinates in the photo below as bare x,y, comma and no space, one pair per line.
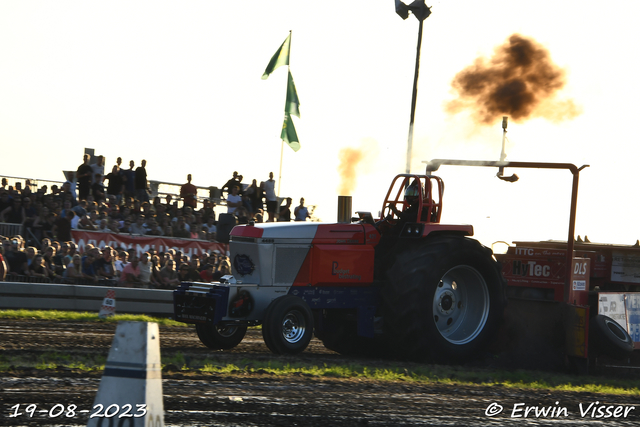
178,84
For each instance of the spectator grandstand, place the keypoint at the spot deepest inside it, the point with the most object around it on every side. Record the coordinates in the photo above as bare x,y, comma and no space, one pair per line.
48,235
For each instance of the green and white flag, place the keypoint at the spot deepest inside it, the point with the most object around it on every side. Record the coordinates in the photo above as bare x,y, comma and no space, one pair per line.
281,57
292,105
289,134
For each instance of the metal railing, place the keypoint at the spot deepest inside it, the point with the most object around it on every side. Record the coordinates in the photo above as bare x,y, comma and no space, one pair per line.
8,229
158,188
20,278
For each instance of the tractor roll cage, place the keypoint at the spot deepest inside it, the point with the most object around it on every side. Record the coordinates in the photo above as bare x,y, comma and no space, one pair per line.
431,186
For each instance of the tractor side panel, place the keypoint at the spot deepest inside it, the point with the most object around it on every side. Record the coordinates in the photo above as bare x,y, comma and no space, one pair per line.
341,265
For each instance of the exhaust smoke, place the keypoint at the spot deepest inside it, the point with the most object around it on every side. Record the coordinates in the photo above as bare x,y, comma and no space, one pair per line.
349,159
520,81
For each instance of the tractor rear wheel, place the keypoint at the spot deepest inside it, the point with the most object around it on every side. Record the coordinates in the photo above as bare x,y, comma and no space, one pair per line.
340,334
442,300
287,327
220,337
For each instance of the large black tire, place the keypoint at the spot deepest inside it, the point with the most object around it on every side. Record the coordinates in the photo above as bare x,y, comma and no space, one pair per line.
442,300
287,326
340,334
609,338
220,337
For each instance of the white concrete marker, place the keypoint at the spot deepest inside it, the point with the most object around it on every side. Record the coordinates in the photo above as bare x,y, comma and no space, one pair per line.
108,307
130,392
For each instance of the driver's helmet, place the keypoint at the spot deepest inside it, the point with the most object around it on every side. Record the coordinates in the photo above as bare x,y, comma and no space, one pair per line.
412,192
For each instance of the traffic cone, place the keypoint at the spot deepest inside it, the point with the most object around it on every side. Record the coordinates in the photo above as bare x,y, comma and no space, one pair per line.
131,385
108,307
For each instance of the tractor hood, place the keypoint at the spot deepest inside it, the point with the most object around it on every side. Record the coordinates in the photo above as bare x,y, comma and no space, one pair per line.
302,232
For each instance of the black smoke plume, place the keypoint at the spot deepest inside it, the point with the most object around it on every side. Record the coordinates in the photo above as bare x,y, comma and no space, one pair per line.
520,81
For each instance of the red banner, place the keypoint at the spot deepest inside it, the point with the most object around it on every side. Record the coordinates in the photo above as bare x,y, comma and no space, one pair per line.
143,243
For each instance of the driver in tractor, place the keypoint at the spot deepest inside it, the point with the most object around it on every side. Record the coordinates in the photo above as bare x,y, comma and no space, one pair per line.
411,196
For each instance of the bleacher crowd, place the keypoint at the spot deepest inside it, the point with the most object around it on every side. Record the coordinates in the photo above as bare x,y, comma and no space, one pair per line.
44,251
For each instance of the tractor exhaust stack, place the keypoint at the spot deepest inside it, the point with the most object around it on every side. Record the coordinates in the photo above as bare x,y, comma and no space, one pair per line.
344,209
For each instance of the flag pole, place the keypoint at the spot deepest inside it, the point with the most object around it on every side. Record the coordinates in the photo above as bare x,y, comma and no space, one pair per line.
280,173
282,141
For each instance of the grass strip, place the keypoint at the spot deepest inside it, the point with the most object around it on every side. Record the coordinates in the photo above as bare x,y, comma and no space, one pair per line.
74,316
415,374
431,374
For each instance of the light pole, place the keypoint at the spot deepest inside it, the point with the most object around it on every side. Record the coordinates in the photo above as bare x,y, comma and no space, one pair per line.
421,11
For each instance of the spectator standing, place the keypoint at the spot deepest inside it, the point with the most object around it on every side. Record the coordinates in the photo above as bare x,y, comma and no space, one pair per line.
254,194
285,211
234,200
70,185
189,193
62,226
301,212
30,212
141,184
229,184
268,187
97,188
84,176
14,214
115,186
5,200
129,177
97,167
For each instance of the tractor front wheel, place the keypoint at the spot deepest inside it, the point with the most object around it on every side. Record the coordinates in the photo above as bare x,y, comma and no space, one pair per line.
442,300
220,337
287,327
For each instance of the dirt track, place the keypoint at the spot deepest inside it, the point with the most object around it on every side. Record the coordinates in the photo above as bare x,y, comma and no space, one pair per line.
250,399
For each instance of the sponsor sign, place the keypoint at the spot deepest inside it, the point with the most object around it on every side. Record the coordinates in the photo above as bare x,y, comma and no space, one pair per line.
633,316
143,243
613,306
625,268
